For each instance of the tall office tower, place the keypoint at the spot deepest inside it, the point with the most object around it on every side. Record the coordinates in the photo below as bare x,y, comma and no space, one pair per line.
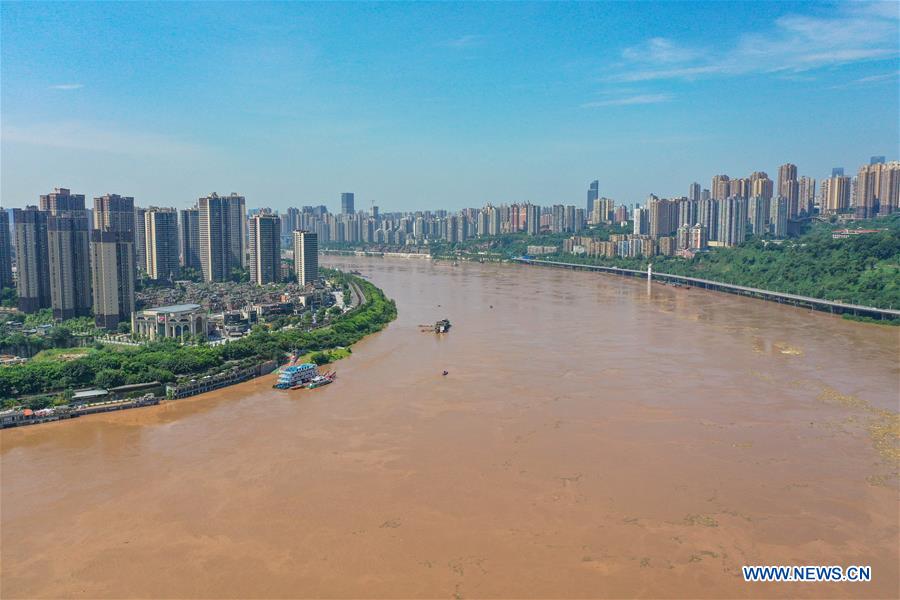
347,201
663,217
112,257
758,213
806,196
641,221
265,249
113,212
836,194
189,238
720,188
32,262
6,278
761,185
161,232
306,257
61,199
709,217
778,217
694,192
222,235
592,194
375,214
732,221
533,219
140,239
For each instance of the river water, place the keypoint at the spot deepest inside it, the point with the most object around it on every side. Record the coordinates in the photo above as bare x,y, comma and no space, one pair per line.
595,437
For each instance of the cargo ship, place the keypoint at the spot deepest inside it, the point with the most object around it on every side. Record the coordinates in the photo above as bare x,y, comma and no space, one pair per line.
295,375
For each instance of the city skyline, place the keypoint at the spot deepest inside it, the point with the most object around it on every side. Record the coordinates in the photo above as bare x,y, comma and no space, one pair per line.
438,106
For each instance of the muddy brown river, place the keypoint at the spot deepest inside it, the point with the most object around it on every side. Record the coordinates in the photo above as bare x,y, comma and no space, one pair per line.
594,438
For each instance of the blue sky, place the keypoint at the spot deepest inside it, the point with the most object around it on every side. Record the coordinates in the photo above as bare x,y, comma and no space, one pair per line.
437,105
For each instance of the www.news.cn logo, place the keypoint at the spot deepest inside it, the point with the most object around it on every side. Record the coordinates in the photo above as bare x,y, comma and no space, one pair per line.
807,573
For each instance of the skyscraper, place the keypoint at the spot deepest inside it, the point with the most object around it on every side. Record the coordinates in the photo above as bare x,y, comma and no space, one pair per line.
761,185
778,217
758,214
32,262
161,243
807,196
532,220
6,278
265,249
663,217
592,194
67,253
222,235
189,238
347,201
877,189
306,257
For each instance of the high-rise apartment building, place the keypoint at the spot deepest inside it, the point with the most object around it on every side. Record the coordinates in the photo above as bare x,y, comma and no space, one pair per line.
694,192
532,219
112,259
732,221
758,214
836,194
6,278
761,185
161,243
778,217
265,249
68,257
113,212
306,257
140,238
807,196
32,259
709,217
222,235
189,238
720,188
877,189
347,201
663,217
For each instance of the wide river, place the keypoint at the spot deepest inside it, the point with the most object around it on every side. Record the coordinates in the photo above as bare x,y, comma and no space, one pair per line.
595,437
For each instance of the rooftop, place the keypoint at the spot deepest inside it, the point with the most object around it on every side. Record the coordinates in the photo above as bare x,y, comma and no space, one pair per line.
175,308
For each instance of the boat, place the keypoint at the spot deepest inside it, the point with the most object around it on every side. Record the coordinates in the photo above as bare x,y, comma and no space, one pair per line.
445,373
296,375
442,326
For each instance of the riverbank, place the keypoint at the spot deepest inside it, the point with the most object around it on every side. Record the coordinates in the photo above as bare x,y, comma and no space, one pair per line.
871,312
190,366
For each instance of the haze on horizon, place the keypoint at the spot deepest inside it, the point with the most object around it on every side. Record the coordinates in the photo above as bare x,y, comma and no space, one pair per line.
419,106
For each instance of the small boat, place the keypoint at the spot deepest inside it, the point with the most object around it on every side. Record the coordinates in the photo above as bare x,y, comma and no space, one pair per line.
319,382
445,373
442,326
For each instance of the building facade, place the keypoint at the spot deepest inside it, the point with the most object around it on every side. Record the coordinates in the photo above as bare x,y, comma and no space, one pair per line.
161,243
222,226
306,257
177,322
265,249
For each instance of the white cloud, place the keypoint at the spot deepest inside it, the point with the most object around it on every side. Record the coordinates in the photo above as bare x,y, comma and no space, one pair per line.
855,32
67,86
465,41
77,135
629,100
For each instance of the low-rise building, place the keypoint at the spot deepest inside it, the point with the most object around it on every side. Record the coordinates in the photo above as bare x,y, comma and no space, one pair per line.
176,321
